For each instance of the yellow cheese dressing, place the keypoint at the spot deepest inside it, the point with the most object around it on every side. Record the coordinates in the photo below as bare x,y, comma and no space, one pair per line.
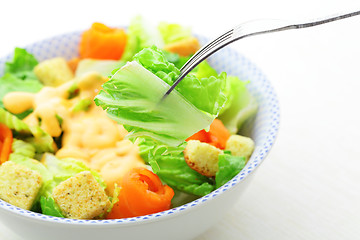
88,135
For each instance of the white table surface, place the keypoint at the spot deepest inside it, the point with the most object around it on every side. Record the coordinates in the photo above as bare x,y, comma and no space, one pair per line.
309,185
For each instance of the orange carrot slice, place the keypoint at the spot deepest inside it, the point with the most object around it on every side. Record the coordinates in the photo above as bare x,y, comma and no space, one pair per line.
102,42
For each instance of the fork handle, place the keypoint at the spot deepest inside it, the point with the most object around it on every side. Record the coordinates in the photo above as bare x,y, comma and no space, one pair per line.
265,26
252,28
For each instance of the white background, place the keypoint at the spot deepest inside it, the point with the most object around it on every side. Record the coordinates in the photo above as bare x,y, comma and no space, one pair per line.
309,186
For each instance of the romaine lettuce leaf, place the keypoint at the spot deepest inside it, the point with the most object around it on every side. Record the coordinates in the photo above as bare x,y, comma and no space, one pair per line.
22,148
169,164
42,141
133,97
240,105
53,172
19,76
103,67
175,58
22,64
49,207
21,157
141,34
62,169
204,70
229,167
206,93
11,83
172,32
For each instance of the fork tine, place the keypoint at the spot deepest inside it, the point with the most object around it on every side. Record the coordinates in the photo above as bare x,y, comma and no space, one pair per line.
199,58
246,30
205,48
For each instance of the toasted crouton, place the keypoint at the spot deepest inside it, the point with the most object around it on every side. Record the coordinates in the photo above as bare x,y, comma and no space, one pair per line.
202,157
81,197
19,185
53,72
240,146
184,47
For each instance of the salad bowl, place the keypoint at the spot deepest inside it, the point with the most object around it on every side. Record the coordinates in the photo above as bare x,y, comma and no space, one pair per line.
183,222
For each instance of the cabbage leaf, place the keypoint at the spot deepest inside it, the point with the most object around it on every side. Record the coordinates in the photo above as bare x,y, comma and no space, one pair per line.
141,34
172,32
169,164
240,105
229,167
19,76
42,141
133,97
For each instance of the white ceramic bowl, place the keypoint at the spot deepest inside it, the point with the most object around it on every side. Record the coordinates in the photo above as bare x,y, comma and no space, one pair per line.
184,222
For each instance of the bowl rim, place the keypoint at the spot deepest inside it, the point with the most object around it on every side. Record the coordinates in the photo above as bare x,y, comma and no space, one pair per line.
251,165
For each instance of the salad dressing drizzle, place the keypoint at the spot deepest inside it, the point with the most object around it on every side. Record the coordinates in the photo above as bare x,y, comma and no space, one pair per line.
88,135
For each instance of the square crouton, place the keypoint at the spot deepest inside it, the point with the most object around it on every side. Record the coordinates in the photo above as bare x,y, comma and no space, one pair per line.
53,72
202,157
81,197
19,185
240,146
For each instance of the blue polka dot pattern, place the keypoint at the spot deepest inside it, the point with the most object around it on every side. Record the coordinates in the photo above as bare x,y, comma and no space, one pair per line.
264,130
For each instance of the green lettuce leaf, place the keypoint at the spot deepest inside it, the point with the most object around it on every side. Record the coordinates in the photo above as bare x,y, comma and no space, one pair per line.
19,158
141,34
22,148
229,167
44,201
175,58
11,83
133,96
42,141
22,64
49,207
204,70
240,106
62,169
169,164
172,32
103,67
19,76
205,93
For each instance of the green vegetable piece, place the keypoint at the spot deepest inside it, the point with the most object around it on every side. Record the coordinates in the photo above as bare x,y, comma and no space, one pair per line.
49,207
206,93
38,167
73,91
42,141
19,76
103,67
82,105
62,169
22,148
172,32
22,64
132,97
239,107
11,83
175,58
141,34
169,164
229,167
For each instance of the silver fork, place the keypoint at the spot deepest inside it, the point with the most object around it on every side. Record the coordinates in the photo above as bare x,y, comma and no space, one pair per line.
248,29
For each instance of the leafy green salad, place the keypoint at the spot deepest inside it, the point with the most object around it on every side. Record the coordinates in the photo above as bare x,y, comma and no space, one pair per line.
93,138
